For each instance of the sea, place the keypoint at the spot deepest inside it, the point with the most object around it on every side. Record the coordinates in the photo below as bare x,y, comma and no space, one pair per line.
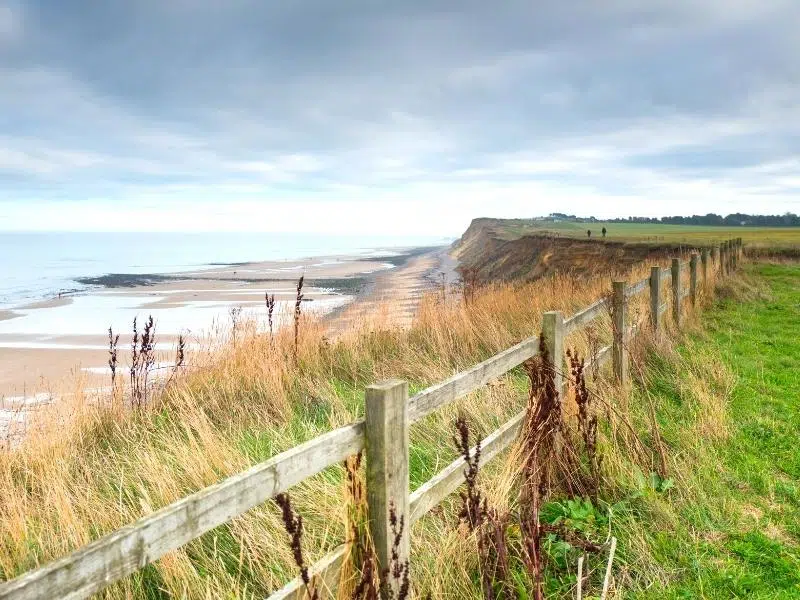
37,266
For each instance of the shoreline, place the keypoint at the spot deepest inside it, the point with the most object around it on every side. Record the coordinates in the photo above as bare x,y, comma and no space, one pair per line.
52,343
232,272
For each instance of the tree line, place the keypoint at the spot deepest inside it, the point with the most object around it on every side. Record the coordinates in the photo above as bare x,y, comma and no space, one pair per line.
732,220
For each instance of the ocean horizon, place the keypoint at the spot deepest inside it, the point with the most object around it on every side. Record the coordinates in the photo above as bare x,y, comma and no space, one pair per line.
39,265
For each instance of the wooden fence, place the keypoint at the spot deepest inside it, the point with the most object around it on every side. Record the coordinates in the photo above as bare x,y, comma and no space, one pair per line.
383,434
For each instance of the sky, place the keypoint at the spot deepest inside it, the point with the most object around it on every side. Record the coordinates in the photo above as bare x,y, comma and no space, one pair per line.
402,117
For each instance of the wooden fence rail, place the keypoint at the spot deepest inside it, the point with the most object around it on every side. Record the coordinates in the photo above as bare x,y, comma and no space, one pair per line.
384,435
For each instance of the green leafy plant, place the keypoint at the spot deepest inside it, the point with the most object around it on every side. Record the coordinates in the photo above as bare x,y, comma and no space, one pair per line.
577,514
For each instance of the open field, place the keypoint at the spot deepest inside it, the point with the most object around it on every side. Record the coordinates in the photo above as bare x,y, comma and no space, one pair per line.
653,232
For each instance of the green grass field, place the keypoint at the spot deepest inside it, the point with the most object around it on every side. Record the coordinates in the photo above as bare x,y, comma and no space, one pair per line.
736,534
652,232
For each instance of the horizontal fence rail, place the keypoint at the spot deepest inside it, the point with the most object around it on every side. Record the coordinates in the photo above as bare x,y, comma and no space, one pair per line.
107,560
434,397
586,316
325,571
638,287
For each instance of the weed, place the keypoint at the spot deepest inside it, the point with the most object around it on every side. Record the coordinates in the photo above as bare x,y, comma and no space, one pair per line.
298,301
180,357
488,525
541,432
366,588
395,582
362,553
493,549
235,313
587,419
142,361
293,523
472,512
180,354
113,341
270,302
469,284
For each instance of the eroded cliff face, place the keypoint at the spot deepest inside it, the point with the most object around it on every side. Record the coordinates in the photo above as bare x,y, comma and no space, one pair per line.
490,249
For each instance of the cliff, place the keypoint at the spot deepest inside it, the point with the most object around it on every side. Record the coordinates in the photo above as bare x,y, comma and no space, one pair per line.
505,250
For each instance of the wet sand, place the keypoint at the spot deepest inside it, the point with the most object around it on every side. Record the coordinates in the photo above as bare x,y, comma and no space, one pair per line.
61,343
50,303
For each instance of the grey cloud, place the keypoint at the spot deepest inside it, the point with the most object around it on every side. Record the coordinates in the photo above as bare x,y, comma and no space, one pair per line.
317,93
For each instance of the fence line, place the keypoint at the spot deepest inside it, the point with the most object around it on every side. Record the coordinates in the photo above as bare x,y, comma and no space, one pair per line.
389,412
426,496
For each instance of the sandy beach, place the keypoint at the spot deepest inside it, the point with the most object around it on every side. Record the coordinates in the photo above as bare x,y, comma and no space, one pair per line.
393,295
54,345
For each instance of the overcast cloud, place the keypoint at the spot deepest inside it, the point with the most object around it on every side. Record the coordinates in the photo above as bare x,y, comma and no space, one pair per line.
410,116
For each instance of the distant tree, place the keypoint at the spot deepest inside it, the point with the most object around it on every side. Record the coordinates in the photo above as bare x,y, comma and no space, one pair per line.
588,233
604,232
788,219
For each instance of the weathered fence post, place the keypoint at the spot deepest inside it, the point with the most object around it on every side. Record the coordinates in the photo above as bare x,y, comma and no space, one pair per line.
655,298
619,349
731,255
723,258
731,252
738,243
704,264
553,336
386,413
715,257
693,278
676,291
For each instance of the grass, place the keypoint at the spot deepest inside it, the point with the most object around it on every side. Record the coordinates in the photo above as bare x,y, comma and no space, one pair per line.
655,232
719,521
87,468
735,531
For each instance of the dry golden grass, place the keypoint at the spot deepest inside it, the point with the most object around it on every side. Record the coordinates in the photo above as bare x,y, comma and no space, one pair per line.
87,468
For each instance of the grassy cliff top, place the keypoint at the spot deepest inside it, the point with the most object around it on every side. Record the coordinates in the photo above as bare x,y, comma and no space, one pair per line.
510,229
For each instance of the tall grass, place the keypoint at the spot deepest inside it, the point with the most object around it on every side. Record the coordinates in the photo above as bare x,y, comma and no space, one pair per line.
86,470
